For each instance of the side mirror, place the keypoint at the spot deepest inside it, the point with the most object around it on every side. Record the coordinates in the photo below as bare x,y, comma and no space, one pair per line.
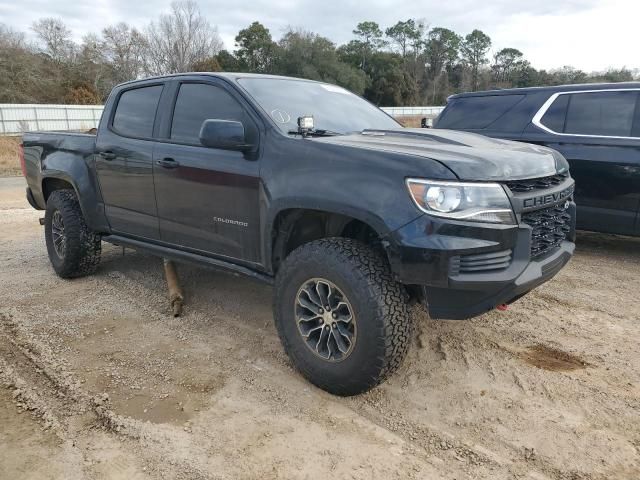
227,134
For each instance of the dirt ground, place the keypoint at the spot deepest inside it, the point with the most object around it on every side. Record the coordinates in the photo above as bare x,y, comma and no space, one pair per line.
9,163
98,381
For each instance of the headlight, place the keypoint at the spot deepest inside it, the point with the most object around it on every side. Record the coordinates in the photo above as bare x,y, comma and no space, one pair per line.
476,202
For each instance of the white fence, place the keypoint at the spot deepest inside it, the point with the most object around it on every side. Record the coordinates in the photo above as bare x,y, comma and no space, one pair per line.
412,111
17,118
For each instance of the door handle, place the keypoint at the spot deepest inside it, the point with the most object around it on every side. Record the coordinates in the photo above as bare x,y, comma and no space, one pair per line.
168,163
107,155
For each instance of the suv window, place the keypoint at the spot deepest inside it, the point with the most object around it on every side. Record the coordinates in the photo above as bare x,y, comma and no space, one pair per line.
198,102
556,114
602,113
136,111
476,112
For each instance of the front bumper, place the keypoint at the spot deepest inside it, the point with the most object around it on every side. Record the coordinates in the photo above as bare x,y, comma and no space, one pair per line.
424,253
466,299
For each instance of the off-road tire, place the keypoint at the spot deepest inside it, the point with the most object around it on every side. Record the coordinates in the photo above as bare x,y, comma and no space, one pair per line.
384,326
82,249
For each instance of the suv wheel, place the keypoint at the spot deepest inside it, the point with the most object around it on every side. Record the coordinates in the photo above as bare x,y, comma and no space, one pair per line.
73,249
342,318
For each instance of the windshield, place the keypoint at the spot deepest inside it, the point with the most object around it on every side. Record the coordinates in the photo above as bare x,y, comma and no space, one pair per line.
333,108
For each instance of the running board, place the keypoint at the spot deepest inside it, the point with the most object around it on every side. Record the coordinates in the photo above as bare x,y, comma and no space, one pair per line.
188,257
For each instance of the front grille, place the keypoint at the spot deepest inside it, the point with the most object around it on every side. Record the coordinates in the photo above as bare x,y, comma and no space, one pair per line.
480,262
550,228
533,184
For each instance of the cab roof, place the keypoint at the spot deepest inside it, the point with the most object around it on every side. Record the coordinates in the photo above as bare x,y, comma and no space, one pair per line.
226,75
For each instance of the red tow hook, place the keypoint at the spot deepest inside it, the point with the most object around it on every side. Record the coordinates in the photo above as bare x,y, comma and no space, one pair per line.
503,307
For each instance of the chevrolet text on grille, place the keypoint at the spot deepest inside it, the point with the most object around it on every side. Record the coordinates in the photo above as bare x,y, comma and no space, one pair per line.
548,198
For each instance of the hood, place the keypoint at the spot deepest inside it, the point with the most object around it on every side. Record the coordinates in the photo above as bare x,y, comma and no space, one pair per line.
468,155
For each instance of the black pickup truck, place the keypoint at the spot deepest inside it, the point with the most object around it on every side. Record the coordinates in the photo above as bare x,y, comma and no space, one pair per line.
304,185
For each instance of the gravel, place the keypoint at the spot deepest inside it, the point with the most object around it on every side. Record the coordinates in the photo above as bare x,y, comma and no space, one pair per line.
98,380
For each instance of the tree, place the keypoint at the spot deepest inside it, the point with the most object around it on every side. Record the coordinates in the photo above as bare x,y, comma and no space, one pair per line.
19,68
309,55
207,65
508,63
441,53
352,53
615,75
442,49
10,38
527,76
405,65
474,50
124,48
180,39
369,40
567,75
389,83
227,61
256,48
90,72
56,38
82,95
407,36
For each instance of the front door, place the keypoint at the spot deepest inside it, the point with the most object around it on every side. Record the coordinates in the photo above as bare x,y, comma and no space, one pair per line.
208,198
124,163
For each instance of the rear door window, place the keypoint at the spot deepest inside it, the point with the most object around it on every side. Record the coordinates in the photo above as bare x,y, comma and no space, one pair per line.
601,113
475,113
136,111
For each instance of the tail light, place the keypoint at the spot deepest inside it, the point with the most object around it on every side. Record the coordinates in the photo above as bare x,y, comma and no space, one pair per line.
21,155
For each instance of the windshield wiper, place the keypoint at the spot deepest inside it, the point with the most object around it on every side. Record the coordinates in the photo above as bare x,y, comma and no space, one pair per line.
315,133
326,132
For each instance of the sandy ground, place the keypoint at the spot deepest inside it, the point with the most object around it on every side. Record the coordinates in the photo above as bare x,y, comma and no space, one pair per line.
9,163
98,381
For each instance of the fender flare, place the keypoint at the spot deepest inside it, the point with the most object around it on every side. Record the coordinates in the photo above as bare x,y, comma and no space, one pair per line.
86,190
282,205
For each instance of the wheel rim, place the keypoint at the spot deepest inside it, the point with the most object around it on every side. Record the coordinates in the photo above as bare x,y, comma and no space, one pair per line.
57,234
325,320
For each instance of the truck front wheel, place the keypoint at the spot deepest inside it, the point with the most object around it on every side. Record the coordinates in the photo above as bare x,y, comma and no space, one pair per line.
342,318
74,250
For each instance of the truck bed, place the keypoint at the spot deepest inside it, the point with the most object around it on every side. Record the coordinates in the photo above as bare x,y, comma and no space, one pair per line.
54,155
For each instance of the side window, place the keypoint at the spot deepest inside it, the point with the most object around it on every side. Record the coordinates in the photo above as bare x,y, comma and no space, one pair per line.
635,132
136,111
198,102
476,112
555,116
602,113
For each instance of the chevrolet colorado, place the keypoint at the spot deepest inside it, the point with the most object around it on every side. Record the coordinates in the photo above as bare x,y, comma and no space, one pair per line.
309,187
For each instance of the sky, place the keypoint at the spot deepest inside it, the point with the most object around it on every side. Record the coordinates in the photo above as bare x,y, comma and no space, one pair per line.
592,35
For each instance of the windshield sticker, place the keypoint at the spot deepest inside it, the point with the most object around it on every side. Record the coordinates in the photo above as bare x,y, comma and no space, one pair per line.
334,89
280,116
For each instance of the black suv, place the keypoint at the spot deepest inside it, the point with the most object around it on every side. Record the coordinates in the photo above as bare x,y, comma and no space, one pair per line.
595,126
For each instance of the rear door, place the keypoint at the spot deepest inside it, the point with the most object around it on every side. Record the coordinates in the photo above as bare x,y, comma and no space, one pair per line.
124,162
599,134
208,198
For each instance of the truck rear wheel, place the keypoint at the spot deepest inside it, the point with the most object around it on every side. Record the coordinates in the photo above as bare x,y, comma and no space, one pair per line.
342,318
74,250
